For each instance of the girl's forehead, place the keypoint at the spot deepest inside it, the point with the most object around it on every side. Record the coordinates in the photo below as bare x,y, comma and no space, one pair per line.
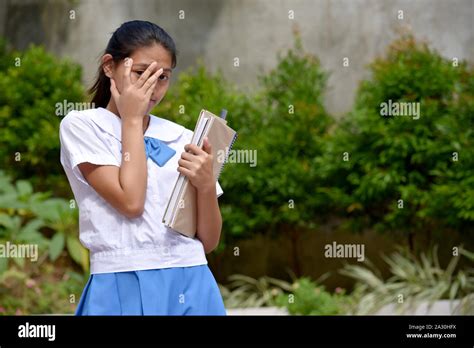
144,56
145,66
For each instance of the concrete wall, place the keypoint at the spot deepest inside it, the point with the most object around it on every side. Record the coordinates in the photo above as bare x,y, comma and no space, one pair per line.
253,30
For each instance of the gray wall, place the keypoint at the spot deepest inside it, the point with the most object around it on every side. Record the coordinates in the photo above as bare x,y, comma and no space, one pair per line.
253,30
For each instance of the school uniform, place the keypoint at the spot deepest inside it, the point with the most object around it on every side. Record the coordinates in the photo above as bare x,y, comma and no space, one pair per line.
138,265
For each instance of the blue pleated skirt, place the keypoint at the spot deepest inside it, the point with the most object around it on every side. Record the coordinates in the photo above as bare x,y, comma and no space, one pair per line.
168,291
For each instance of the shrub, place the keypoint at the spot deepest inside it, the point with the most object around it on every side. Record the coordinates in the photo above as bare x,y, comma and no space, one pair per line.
308,298
401,173
28,217
301,297
413,280
198,89
294,124
283,121
31,85
244,291
40,290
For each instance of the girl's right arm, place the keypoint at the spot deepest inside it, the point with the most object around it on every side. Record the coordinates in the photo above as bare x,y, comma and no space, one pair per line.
124,187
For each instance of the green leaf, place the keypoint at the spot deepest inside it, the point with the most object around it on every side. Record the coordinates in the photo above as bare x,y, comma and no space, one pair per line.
77,252
31,228
3,264
6,221
50,209
466,253
56,246
24,188
20,261
74,249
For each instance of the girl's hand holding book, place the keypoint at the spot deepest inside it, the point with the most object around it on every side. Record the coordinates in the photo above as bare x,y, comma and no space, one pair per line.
196,164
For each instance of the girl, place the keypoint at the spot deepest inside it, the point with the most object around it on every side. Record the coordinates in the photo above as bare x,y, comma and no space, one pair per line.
122,164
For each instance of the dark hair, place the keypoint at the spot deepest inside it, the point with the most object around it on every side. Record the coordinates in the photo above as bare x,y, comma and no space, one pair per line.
124,41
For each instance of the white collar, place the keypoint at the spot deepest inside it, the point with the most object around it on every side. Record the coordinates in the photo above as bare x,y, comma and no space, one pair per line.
158,128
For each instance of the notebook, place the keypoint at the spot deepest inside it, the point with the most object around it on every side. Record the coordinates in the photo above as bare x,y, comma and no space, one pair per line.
181,211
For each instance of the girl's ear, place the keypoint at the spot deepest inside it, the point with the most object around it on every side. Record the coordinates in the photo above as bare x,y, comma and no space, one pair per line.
108,65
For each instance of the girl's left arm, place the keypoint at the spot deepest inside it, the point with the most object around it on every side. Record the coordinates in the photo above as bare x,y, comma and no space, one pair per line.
209,219
197,164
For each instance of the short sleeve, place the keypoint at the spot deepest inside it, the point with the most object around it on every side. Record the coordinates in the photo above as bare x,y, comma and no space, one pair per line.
219,190
82,142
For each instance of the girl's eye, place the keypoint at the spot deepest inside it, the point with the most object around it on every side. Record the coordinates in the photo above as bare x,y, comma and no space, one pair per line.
161,77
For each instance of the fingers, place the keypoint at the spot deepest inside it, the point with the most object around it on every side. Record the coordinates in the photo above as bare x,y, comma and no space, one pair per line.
186,172
195,149
128,62
114,90
191,161
144,76
151,82
186,164
207,147
150,90
193,165
188,156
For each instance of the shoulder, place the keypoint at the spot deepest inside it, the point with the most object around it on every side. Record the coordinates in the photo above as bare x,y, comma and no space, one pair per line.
76,119
167,130
85,127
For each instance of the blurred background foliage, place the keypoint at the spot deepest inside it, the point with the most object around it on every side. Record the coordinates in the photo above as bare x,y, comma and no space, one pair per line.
300,183
284,122
428,162
32,83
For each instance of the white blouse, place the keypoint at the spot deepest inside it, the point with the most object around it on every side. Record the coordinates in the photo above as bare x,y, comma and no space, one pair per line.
117,243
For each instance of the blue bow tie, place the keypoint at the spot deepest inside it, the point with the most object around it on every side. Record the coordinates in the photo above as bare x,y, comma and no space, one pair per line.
159,152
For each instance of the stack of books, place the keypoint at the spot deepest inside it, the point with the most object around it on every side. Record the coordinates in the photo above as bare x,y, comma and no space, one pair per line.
181,211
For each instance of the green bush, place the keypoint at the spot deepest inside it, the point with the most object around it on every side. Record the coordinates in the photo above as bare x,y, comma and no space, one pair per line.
295,124
198,89
413,280
283,121
40,290
49,281
244,291
308,298
28,217
402,174
300,297
33,84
